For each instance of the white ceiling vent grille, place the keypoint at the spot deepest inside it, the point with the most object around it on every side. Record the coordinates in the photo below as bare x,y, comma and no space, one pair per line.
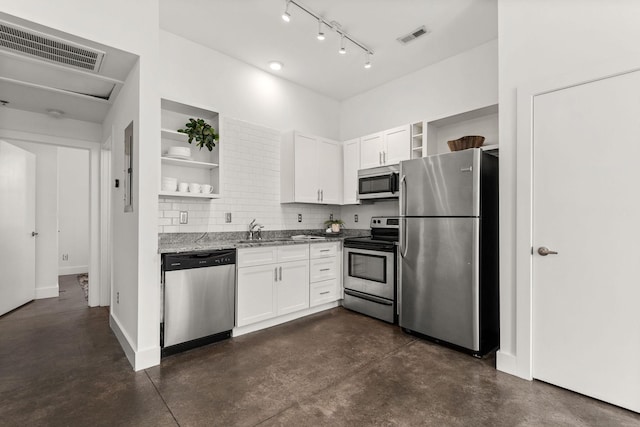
413,35
43,46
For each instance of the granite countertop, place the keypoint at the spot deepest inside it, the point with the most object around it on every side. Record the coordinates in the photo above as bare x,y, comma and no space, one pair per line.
193,242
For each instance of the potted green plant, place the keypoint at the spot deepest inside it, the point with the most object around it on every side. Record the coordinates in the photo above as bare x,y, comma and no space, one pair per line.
335,224
204,134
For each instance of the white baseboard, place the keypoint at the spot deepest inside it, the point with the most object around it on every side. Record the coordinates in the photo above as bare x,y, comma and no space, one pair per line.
507,362
74,269
138,359
282,319
123,339
47,292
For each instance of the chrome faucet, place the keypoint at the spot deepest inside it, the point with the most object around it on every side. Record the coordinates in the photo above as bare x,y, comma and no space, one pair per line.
255,230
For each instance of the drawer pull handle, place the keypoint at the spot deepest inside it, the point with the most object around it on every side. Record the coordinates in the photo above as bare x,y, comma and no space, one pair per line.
325,250
325,269
325,292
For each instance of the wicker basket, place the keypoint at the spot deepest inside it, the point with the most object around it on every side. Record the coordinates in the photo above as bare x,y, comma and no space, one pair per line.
470,141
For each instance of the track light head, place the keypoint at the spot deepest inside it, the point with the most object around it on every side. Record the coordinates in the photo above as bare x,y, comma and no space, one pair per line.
320,33
286,17
342,50
367,61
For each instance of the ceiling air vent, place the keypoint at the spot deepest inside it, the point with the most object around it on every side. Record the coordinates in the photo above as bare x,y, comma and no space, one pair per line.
413,35
31,43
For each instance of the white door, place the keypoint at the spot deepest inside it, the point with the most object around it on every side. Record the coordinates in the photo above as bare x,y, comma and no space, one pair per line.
329,163
398,145
292,287
351,162
371,147
306,163
17,223
586,207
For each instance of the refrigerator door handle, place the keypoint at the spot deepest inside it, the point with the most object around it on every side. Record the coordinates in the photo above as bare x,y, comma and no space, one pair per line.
403,195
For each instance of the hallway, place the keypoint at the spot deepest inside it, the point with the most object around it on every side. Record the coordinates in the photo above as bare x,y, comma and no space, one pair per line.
60,364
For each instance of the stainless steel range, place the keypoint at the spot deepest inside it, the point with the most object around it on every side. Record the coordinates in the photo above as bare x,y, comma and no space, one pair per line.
370,265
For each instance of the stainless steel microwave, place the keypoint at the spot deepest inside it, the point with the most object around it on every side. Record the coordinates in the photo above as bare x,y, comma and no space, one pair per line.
378,183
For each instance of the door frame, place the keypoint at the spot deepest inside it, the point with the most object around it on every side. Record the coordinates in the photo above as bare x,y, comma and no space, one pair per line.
521,364
97,256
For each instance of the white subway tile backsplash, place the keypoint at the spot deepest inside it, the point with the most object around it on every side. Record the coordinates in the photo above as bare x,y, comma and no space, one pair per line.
250,185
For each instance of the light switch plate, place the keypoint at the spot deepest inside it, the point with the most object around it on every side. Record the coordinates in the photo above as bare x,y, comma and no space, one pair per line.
299,217
330,217
184,217
355,218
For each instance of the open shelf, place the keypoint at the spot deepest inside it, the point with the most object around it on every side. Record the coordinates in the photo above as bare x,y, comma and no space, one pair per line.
203,167
190,195
189,163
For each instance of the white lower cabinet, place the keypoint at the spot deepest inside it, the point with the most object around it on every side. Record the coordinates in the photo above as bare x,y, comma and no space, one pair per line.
272,281
276,281
292,287
324,273
256,296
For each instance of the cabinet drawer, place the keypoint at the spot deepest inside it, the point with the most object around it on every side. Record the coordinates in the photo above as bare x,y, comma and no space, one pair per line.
323,250
323,292
257,256
323,269
288,253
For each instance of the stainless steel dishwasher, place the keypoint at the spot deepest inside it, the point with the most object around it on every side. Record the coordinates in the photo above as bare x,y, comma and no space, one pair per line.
199,299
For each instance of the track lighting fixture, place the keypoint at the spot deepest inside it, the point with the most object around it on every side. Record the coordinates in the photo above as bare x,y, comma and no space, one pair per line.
342,50
286,17
332,25
320,33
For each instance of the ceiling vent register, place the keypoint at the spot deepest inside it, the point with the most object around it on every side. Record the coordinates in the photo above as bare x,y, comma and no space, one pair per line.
413,35
34,44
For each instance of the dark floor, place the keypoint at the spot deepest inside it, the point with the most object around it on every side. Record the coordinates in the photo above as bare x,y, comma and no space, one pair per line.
61,365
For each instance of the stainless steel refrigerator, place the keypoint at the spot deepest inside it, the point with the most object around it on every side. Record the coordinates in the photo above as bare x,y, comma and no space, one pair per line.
449,249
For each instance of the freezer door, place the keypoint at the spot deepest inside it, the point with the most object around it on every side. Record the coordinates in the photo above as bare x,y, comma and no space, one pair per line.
439,283
441,185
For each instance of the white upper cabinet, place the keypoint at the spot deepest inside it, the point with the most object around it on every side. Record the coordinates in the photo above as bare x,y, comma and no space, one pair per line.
310,169
385,148
351,152
398,145
371,148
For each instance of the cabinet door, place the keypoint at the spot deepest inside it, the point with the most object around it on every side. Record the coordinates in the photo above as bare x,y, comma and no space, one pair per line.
306,169
371,148
351,162
292,287
256,296
329,161
398,145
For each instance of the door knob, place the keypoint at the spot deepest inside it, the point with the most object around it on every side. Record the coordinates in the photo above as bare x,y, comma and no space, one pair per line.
544,251
34,234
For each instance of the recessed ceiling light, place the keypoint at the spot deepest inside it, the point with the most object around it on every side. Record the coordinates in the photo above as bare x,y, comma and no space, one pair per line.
55,113
275,65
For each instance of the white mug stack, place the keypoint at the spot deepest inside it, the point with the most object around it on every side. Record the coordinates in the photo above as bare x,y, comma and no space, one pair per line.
192,187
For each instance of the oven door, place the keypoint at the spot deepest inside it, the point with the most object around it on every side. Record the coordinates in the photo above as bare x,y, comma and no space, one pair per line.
370,272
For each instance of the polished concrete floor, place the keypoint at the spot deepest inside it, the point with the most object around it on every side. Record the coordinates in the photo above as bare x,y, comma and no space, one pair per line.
60,365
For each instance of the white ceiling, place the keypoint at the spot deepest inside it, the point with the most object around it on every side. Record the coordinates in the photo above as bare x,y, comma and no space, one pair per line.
40,86
254,32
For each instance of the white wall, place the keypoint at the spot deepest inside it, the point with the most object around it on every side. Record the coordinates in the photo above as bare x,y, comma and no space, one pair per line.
538,40
41,124
73,211
237,90
46,217
461,83
132,27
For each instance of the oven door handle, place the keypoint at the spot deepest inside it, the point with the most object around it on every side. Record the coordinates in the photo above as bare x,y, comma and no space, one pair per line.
368,297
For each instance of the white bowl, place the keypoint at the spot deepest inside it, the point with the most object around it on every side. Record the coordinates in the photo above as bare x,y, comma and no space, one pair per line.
179,151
